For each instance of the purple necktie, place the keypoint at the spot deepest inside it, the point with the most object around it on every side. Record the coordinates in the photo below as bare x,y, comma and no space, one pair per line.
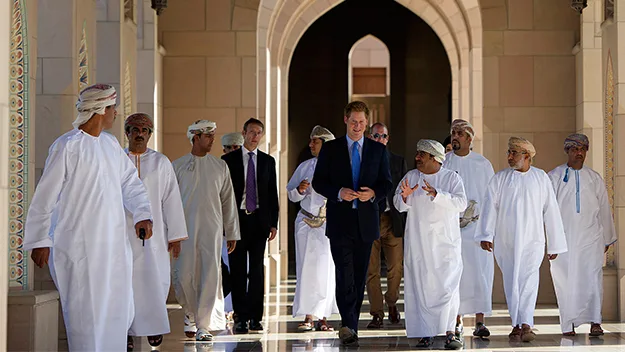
250,185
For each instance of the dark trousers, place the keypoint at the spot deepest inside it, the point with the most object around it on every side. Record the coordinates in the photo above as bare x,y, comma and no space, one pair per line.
351,261
248,299
225,278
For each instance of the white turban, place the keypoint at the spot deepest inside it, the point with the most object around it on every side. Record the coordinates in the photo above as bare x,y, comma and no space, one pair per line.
321,133
433,148
94,100
522,144
234,138
200,127
464,126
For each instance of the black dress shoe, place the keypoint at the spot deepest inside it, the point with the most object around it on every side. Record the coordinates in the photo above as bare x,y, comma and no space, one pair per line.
255,325
348,337
240,327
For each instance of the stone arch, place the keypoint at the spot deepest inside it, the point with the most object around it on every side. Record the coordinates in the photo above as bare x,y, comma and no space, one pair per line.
281,24
456,22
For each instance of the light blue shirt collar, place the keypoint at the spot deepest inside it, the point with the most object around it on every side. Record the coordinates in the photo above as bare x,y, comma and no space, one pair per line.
350,142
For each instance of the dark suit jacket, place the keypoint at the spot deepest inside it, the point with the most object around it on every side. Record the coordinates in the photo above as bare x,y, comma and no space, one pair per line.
266,186
334,171
399,168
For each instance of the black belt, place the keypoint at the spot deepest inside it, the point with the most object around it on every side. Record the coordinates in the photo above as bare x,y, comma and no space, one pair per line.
244,211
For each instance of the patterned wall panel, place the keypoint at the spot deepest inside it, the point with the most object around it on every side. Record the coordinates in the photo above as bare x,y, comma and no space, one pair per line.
83,59
609,142
18,144
127,91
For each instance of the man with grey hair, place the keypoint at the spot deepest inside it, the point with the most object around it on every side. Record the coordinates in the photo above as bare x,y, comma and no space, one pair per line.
589,228
77,225
476,284
392,225
210,210
518,207
433,196
315,286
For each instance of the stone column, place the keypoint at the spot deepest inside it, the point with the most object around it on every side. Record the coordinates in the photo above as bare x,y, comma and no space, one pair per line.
117,56
589,110
57,70
149,70
618,58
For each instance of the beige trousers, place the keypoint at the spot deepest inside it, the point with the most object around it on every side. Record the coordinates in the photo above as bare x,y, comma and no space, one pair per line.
394,254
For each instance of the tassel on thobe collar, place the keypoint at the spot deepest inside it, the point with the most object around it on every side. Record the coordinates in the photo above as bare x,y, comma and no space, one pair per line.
137,161
577,197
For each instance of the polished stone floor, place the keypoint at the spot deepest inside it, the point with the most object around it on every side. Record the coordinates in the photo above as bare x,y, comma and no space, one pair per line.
281,333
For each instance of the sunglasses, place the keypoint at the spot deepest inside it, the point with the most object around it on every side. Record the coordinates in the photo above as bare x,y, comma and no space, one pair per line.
378,135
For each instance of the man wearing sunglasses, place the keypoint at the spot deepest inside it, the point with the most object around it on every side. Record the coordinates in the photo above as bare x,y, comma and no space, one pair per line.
392,224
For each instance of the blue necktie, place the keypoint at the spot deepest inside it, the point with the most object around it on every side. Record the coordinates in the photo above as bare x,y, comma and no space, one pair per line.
355,169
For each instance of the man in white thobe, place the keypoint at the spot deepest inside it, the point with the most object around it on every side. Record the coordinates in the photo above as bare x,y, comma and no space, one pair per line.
77,225
151,270
589,227
476,284
210,210
433,197
315,286
519,206
230,142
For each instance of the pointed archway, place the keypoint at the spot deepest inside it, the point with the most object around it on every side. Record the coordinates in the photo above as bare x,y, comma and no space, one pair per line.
281,24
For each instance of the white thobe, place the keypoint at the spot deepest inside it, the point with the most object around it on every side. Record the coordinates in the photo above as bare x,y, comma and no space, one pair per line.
151,269
78,211
589,227
476,284
210,210
315,286
518,208
432,252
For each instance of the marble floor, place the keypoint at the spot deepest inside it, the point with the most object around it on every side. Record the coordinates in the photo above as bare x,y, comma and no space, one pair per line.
281,333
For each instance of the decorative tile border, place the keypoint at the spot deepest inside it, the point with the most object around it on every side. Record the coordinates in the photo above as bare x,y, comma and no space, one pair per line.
609,142
18,144
83,59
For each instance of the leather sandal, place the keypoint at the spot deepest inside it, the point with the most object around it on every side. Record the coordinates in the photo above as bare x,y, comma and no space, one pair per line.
322,325
155,340
595,330
307,325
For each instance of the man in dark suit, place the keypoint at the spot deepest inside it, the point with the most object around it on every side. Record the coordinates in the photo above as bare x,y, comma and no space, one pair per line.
254,181
392,225
353,174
